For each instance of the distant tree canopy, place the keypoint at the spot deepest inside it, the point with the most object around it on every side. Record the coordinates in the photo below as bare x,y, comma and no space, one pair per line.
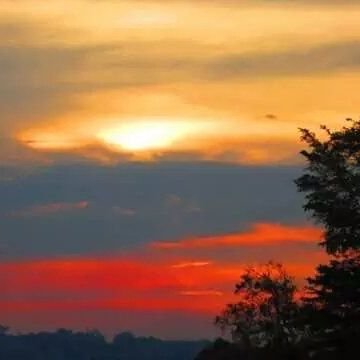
91,345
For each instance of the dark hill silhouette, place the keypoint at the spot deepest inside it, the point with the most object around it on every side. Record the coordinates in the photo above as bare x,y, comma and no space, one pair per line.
68,345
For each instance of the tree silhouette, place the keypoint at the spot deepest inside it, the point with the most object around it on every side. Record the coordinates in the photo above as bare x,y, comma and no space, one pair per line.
332,186
326,325
263,316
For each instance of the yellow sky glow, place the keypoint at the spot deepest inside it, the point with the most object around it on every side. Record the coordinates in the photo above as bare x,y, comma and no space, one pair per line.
223,80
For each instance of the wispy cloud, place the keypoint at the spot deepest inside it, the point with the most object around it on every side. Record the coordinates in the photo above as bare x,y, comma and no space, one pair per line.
191,264
265,234
50,209
325,58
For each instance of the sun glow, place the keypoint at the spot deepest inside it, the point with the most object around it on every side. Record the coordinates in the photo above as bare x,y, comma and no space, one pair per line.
141,136
146,135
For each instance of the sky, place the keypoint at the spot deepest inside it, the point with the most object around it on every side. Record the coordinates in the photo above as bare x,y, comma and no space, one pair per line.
148,151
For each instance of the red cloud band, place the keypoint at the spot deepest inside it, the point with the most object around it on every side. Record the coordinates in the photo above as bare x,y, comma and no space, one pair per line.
132,283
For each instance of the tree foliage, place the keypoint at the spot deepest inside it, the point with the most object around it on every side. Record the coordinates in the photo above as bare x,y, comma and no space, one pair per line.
263,315
332,185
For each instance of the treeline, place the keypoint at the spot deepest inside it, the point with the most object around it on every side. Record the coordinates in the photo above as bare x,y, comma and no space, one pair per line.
92,345
273,319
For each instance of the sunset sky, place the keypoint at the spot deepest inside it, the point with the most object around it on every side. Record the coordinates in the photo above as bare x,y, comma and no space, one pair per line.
148,151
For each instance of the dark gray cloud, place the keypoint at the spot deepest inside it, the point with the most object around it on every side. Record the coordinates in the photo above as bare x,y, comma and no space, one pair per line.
168,201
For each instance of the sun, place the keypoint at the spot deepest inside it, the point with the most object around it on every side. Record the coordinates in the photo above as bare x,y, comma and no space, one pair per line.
145,135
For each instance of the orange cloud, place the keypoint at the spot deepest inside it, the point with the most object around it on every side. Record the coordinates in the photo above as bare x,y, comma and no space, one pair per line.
52,208
264,234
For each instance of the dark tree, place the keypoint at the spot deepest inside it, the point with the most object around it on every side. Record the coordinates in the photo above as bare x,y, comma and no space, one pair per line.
222,350
332,186
263,316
